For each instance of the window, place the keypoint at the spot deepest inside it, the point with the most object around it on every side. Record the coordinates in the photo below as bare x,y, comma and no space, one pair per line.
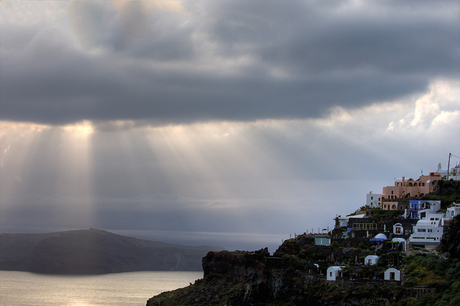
421,230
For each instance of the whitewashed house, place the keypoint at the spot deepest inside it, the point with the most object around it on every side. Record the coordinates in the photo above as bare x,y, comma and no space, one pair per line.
373,200
398,229
342,221
401,241
451,212
371,259
427,231
333,272
392,274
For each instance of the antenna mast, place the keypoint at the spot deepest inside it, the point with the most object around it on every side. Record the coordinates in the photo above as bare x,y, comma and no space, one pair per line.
448,166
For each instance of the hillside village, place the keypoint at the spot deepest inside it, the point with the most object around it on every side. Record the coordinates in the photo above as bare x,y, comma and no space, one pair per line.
385,253
398,222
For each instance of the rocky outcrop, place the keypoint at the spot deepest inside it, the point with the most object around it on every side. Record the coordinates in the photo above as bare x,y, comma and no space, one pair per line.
94,252
235,265
256,278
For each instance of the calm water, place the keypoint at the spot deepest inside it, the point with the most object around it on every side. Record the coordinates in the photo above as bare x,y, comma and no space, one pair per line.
133,288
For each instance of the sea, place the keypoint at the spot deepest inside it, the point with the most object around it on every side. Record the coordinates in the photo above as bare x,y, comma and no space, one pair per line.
116,289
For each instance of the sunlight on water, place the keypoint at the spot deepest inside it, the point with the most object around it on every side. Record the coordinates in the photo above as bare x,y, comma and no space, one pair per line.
134,288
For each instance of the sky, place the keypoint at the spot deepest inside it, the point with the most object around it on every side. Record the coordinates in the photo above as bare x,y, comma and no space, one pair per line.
230,123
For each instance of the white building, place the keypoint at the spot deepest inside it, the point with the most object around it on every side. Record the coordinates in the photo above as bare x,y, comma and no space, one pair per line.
392,274
373,199
417,207
401,241
425,212
455,173
398,229
427,231
451,212
333,272
371,259
342,221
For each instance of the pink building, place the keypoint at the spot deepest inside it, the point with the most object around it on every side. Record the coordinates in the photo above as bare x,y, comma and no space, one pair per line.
409,188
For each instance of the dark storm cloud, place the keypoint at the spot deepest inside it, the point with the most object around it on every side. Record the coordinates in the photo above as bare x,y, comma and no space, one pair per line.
230,60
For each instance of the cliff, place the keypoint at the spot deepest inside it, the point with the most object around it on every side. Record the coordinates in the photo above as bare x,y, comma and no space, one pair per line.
256,278
295,275
94,252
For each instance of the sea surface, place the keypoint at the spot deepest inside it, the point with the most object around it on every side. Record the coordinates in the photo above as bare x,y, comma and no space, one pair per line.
131,288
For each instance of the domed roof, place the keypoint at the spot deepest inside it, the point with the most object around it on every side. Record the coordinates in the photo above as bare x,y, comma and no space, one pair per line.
379,237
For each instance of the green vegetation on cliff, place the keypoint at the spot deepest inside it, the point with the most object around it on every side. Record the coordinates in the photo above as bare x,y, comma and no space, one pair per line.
435,272
444,191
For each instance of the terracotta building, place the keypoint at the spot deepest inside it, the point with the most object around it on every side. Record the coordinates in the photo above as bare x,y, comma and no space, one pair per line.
409,188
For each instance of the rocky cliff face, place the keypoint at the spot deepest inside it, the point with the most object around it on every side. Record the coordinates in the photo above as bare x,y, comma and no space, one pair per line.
237,266
256,278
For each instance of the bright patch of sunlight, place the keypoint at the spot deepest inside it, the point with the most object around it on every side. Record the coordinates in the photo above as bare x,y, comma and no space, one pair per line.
84,127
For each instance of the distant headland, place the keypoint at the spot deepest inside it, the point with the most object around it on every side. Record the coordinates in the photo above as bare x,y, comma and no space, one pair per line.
95,251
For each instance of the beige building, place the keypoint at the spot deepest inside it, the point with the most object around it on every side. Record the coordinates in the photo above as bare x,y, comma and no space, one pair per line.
409,188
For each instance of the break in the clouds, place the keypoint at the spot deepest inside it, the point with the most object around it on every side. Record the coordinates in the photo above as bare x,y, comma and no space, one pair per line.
191,61
239,185
232,123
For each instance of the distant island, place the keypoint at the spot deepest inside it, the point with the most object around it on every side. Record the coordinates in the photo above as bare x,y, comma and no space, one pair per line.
95,251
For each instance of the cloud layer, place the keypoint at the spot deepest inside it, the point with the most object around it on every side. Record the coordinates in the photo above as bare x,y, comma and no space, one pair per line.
182,62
